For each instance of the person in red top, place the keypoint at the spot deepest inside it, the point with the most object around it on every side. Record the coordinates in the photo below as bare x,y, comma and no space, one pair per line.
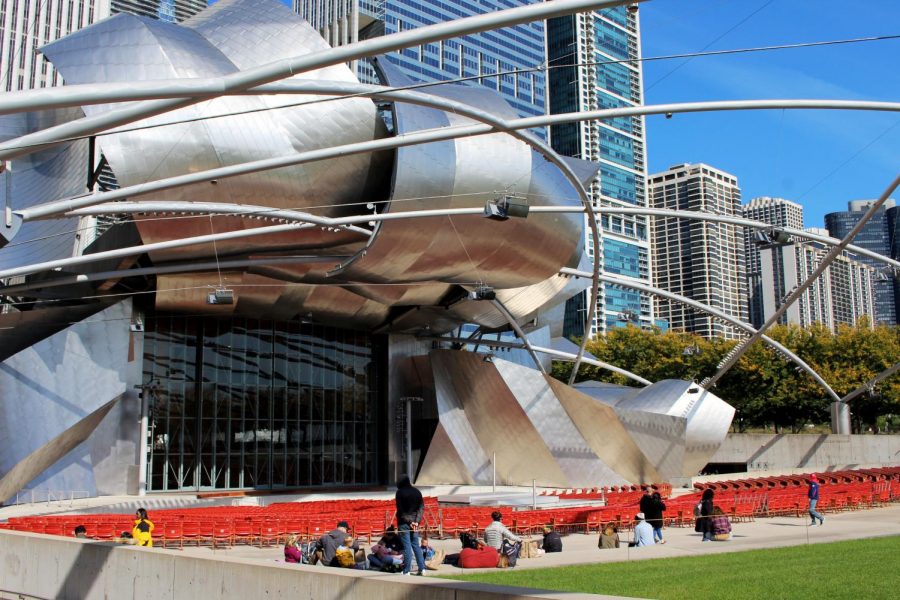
480,558
292,552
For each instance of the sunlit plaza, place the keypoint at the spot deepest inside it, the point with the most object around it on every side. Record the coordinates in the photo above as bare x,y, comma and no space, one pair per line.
260,261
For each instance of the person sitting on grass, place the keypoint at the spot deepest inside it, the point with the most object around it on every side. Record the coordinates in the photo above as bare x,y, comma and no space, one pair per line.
719,525
609,537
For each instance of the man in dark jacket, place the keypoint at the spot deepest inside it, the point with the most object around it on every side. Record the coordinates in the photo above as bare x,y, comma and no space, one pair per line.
813,495
410,510
552,542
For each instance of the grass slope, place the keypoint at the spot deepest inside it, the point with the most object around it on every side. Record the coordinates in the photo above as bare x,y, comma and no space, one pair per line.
867,569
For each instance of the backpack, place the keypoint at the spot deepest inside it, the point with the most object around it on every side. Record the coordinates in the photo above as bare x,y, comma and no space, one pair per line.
511,552
344,558
698,508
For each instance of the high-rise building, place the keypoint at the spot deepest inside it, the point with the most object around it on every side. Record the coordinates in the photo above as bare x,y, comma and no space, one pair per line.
875,236
607,39
842,293
507,60
26,25
701,260
893,215
777,212
594,61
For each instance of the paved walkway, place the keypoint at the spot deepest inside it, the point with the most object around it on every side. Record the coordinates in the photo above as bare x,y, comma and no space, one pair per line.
582,549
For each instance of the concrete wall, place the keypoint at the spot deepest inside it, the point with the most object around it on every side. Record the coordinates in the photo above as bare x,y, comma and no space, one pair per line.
762,452
38,566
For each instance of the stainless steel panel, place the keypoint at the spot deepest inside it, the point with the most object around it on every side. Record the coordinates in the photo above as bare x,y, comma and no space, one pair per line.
679,430
572,452
496,418
33,179
608,437
49,388
50,453
471,249
443,463
458,426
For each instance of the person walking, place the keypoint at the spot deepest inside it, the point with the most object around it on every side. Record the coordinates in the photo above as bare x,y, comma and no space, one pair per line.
813,495
656,508
410,510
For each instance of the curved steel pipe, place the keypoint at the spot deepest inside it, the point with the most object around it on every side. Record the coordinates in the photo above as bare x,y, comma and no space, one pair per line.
512,322
276,213
423,137
712,311
281,69
792,297
542,350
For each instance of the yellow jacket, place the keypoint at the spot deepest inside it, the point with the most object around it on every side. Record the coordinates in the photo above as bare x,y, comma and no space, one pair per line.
142,532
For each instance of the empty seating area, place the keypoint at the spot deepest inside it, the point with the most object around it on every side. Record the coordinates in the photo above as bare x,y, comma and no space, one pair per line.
742,499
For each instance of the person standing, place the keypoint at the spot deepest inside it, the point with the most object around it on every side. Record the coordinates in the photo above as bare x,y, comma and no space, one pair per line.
706,511
813,495
654,513
410,510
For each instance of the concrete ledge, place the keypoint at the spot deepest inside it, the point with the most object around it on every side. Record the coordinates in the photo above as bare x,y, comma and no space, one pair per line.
40,566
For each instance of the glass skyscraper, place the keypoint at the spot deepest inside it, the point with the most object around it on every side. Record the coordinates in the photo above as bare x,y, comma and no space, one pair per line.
594,63
506,60
875,236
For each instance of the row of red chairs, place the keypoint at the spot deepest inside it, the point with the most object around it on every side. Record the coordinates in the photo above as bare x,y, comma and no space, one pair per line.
228,525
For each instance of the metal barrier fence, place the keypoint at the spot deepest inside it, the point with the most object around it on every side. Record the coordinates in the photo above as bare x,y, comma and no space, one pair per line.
51,497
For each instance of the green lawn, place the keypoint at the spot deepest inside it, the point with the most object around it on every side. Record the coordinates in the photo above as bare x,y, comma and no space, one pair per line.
865,569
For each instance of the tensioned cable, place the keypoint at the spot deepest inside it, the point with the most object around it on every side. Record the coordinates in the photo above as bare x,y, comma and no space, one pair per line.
540,67
738,24
848,160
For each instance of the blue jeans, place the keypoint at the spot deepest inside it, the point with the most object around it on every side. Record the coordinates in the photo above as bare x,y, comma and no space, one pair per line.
657,534
411,545
813,513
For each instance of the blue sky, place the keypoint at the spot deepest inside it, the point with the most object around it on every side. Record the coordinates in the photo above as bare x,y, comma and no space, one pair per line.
820,159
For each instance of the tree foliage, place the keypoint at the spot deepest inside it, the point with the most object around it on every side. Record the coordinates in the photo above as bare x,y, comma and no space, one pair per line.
765,387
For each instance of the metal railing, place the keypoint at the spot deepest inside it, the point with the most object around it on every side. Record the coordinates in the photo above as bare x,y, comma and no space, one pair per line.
50,497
